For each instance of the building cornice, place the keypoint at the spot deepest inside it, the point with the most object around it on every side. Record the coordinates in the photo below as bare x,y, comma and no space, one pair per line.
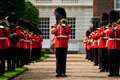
68,5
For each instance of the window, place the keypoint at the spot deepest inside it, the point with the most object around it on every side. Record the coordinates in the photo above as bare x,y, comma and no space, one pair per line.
72,22
117,4
44,27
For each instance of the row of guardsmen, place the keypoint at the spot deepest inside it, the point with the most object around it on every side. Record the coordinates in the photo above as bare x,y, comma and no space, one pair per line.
17,45
103,45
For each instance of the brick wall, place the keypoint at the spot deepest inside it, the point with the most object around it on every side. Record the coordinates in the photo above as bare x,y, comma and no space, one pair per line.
100,6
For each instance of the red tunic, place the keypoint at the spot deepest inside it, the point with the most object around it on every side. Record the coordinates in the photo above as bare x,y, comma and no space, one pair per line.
103,38
114,38
95,39
4,41
59,32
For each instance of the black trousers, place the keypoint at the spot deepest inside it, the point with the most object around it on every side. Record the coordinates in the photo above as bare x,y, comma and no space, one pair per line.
11,59
114,61
26,56
92,54
61,57
95,56
33,54
87,53
38,53
103,58
20,57
2,60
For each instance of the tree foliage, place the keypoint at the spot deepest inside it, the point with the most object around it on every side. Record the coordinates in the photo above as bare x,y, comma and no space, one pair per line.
31,13
16,6
24,9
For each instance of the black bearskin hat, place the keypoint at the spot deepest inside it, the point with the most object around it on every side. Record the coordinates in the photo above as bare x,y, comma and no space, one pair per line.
12,18
2,15
104,19
87,33
60,13
114,16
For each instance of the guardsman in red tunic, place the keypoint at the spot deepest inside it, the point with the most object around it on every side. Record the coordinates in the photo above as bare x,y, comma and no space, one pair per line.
33,55
118,27
39,46
28,48
87,45
34,46
90,44
23,48
25,44
14,38
62,32
103,54
85,41
4,43
113,45
20,53
95,47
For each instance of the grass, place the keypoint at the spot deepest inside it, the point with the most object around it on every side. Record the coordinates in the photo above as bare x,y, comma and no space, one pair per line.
44,55
11,74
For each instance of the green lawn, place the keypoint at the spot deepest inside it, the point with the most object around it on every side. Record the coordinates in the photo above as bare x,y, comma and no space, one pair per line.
44,55
11,74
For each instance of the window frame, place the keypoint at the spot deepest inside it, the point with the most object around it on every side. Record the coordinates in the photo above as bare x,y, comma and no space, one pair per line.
46,29
73,34
115,6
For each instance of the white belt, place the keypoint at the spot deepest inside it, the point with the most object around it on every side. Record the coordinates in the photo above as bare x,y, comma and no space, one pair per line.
25,40
105,37
21,39
114,39
61,36
3,38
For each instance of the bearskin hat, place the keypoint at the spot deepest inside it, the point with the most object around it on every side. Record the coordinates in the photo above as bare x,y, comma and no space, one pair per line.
104,19
113,16
2,15
60,13
12,18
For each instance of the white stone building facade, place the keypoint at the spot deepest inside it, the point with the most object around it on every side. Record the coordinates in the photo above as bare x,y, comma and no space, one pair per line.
79,13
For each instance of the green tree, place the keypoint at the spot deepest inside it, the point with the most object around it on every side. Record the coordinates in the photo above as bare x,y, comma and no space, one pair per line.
31,13
16,6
